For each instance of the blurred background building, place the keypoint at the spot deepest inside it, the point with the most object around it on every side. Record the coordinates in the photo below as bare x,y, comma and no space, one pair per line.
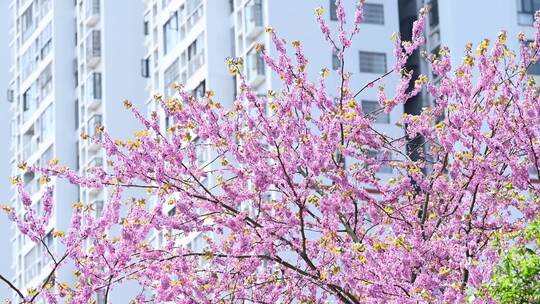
71,64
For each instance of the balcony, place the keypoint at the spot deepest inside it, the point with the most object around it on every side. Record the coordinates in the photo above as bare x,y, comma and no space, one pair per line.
194,15
30,107
91,12
30,147
44,8
93,91
98,207
93,48
195,63
254,19
31,183
95,162
145,67
94,123
255,68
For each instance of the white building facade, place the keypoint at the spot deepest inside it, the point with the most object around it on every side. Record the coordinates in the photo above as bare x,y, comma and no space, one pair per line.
73,64
188,41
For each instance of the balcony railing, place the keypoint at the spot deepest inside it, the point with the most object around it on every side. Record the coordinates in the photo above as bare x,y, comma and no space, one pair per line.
95,162
92,12
195,63
44,8
30,147
32,186
93,48
31,106
255,68
98,207
194,15
93,90
189,18
93,124
254,19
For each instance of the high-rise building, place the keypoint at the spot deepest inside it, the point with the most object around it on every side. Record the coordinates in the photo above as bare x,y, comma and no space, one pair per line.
73,64
188,41
41,91
454,23
450,23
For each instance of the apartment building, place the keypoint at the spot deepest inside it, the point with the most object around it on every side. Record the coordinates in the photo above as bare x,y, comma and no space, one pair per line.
453,24
41,88
450,23
73,64
187,42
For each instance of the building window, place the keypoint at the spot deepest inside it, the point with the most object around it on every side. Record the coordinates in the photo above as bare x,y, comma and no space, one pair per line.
333,10
76,114
254,17
192,5
534,69
146,28
32,264
100,297
92,8
27,22
98,205
93,45
46,157
171,75
255,66
371,106
192,50
200,89
434,13
93,124
145,67
336,62
195,55
93,86
45,41
27,99
371,62
374,13
170,33
383,160
10,95
526,10
46,124
45,82
201,152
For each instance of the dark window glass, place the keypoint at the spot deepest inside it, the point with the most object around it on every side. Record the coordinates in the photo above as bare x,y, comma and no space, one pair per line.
371,62
333,10
374,13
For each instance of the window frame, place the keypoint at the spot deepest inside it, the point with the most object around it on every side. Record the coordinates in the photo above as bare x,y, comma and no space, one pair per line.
170,30
374,69
373,5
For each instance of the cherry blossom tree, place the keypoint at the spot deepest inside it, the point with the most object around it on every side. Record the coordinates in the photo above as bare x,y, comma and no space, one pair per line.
291,206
